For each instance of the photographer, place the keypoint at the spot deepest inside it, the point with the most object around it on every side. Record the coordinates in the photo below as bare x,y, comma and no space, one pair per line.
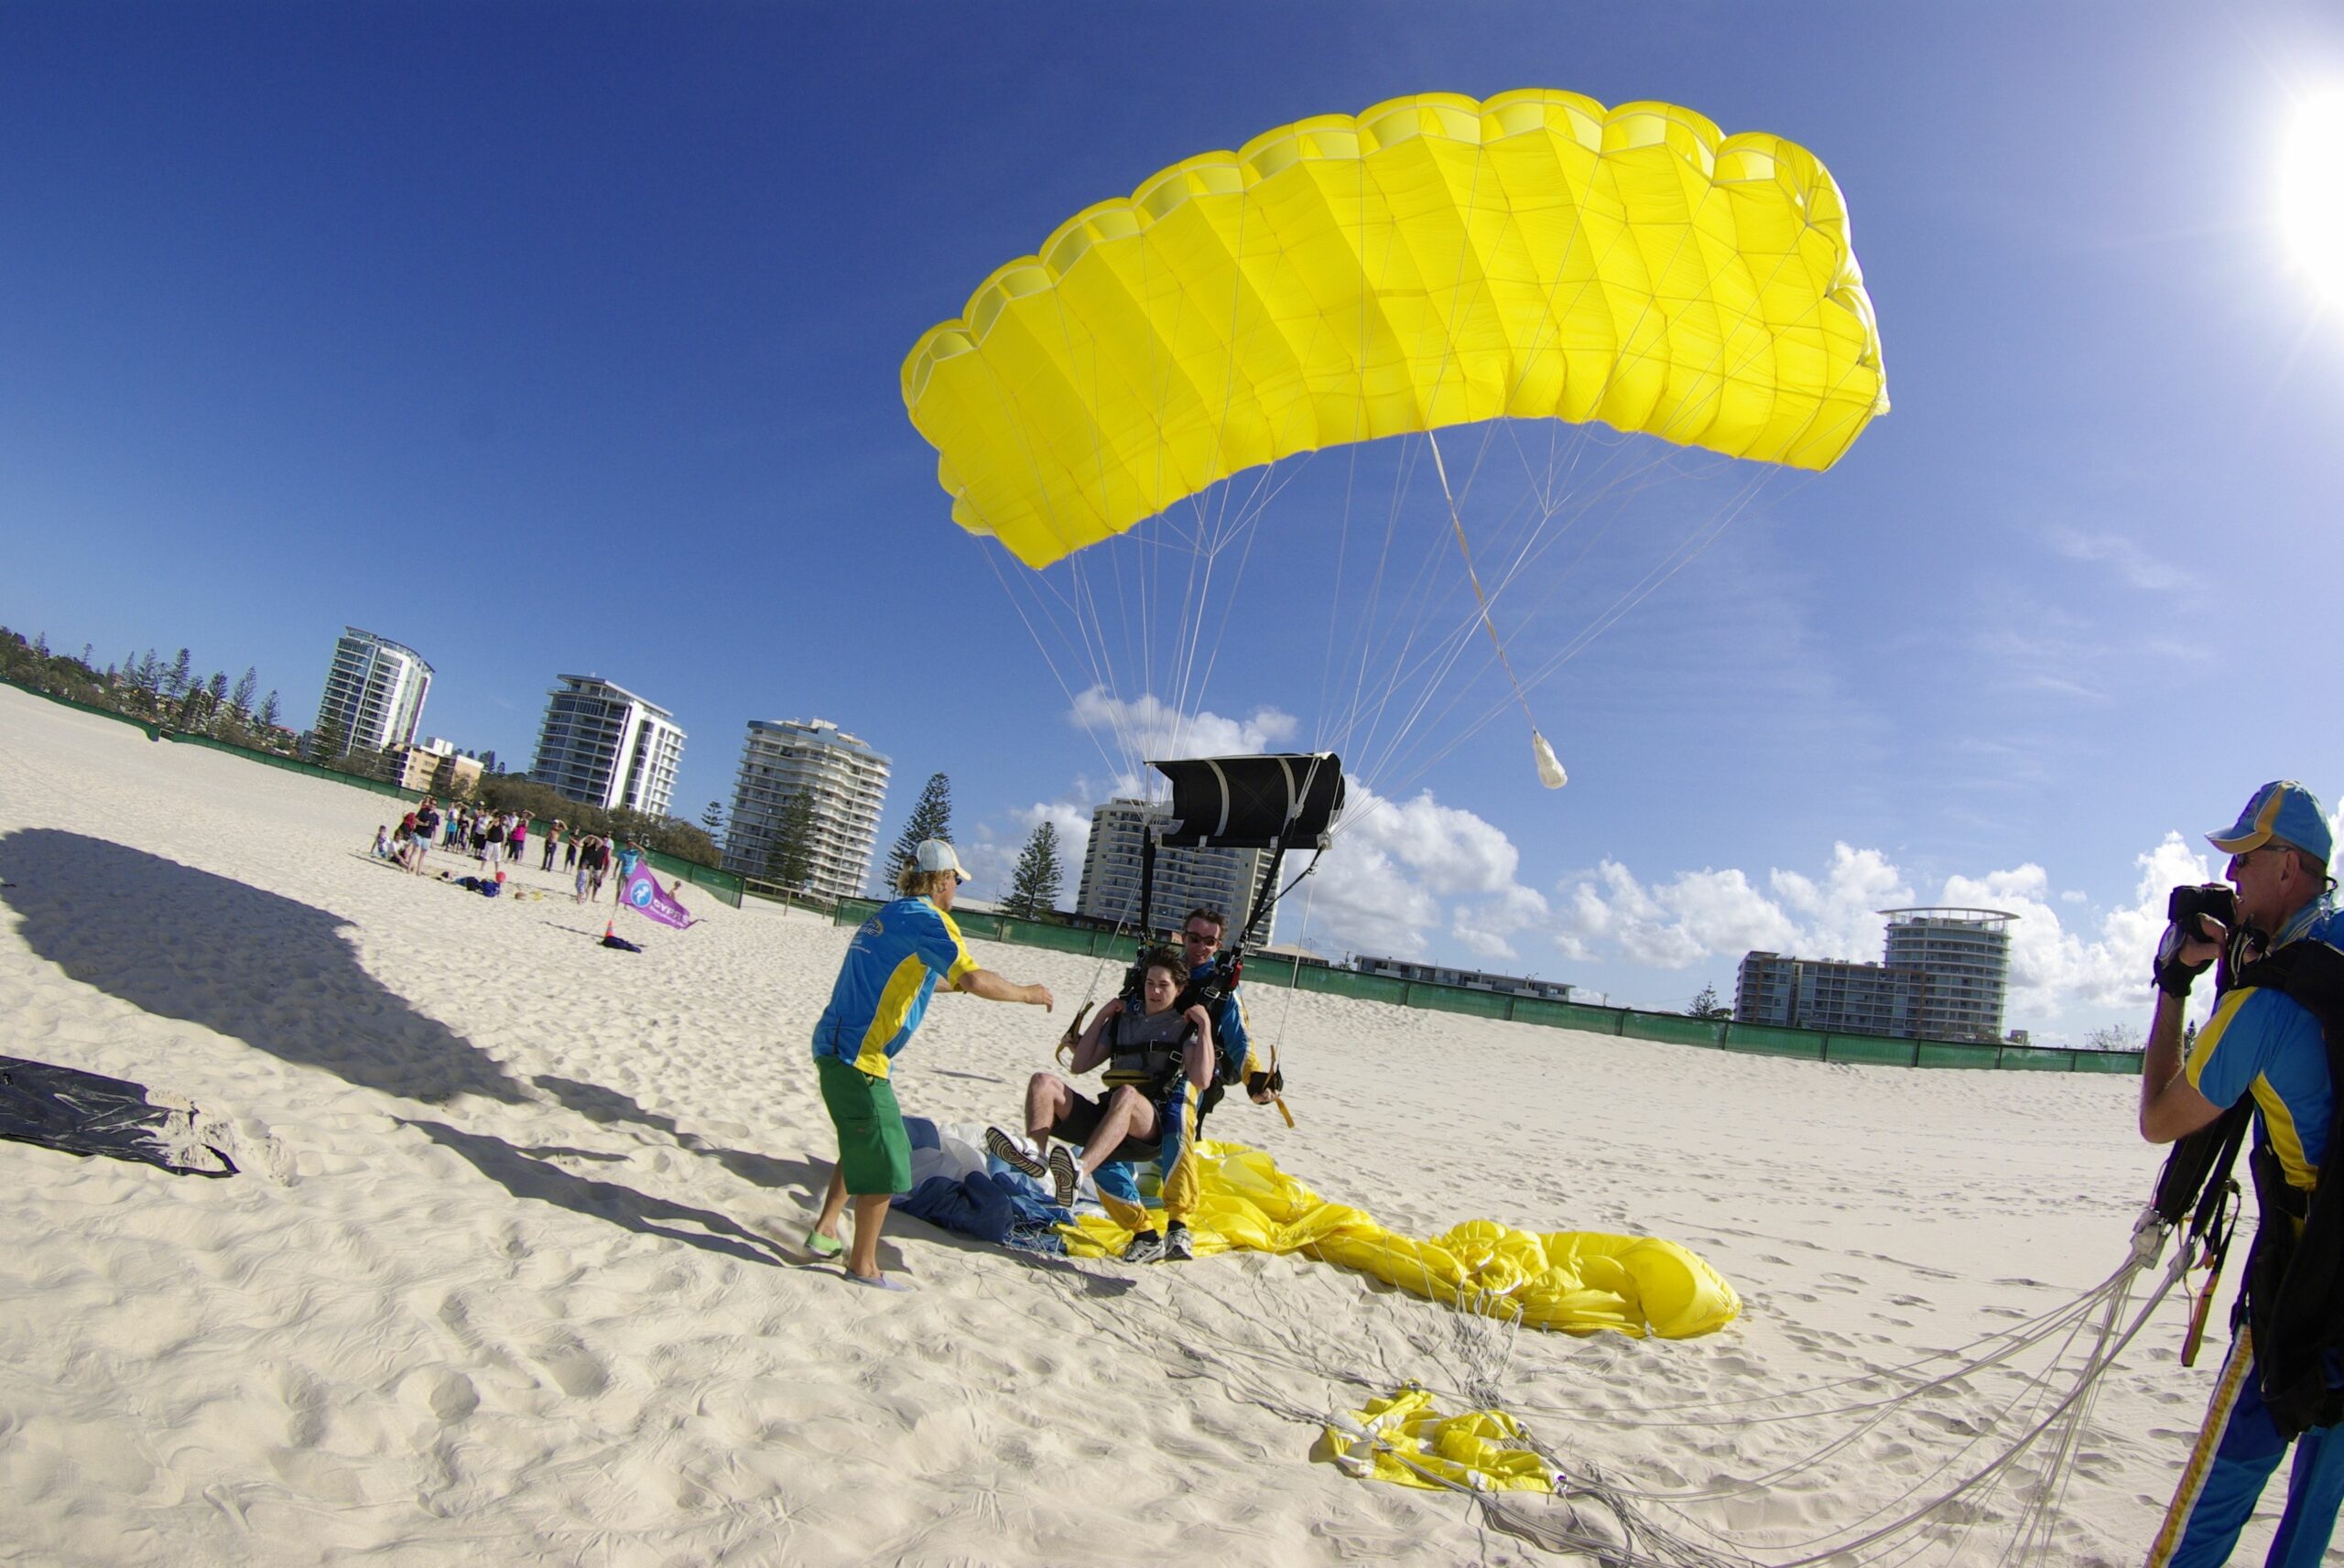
2263,1041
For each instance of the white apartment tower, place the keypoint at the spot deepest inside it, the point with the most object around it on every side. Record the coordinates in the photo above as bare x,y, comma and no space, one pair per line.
374,691
604,746
1220,877
846,781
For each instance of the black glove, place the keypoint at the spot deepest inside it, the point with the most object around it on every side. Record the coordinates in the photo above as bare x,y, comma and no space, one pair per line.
1271,1082
2173,976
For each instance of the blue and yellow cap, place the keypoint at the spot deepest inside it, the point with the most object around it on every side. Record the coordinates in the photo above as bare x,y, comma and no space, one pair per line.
2282,809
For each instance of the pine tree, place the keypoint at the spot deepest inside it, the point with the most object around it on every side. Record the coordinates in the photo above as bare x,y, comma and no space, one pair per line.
713,818
241,699
175,684
932,818
40,645
789,858
1707,1005
1034,886
326,741
268,714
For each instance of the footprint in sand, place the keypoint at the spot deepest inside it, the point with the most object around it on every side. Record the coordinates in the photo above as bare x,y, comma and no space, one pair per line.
575,1370
452,1396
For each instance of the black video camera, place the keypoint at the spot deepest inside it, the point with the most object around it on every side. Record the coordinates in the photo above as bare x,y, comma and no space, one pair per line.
2185,905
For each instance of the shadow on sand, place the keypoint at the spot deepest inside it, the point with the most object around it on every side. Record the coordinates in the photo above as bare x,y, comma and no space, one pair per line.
275,973
603,1107
526,1177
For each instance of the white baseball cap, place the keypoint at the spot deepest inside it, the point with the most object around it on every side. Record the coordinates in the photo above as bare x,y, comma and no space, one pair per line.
936,855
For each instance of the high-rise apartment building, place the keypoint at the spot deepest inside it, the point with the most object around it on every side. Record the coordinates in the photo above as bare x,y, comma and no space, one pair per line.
1946,975
1217,878
845,782
1966,953
374,691
603,745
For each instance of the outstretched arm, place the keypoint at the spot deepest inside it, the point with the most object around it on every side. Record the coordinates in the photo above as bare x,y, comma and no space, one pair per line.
992,987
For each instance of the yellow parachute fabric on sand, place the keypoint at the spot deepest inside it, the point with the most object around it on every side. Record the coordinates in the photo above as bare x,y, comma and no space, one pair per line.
1433,261
1575,1281
1402,1438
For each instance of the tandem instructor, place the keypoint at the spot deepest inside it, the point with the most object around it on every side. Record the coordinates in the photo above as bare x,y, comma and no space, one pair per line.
882,988
2283,1381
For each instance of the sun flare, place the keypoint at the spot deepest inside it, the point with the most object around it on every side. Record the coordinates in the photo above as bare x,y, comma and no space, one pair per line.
2311,191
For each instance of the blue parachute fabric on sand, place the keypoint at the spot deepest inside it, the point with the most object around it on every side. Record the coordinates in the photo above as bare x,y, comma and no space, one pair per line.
995,1204
82,1113
962,1205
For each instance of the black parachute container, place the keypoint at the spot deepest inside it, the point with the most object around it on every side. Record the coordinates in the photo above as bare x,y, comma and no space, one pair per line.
1279,801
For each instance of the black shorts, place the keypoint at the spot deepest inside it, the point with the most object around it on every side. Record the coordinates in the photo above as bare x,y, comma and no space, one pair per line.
1081,1117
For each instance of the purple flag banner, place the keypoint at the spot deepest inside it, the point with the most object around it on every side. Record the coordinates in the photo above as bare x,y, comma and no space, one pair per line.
642,893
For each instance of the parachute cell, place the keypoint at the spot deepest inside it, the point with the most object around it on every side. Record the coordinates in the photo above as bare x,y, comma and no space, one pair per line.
1431,262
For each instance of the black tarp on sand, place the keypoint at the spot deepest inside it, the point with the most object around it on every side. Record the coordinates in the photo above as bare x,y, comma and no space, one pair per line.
82,1113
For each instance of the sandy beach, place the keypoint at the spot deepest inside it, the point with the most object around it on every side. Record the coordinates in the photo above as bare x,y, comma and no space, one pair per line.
509,1276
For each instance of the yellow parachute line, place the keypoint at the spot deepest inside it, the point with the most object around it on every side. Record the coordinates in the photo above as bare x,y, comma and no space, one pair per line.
1432,261
1572,1282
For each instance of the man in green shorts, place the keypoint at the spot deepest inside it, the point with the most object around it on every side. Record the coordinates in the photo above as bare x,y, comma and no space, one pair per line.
890,970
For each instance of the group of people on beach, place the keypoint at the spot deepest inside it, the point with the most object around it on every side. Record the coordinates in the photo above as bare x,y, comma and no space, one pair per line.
1167,1052
496,839
2275,1042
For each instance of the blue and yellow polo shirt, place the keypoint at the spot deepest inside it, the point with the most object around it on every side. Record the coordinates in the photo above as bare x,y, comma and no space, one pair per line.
890,970
2261,1043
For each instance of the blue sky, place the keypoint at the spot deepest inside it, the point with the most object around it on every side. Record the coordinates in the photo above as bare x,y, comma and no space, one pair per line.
552,338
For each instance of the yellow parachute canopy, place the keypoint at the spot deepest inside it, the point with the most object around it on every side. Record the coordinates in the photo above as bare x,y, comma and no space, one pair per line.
1434,260
1572,1282
1406,1440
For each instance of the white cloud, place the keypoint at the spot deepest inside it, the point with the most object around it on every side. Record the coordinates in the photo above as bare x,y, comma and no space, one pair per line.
2120,555
1711,912
1386,886
990,857
1146,727
2055,972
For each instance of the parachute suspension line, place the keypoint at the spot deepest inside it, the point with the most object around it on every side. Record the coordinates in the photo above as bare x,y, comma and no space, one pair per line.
1695,544
1366,625
1550,769
1248,525
1048,659
1369,626
1550,772
1319,738
1440,661
1704,534
1210,528
2110,1295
